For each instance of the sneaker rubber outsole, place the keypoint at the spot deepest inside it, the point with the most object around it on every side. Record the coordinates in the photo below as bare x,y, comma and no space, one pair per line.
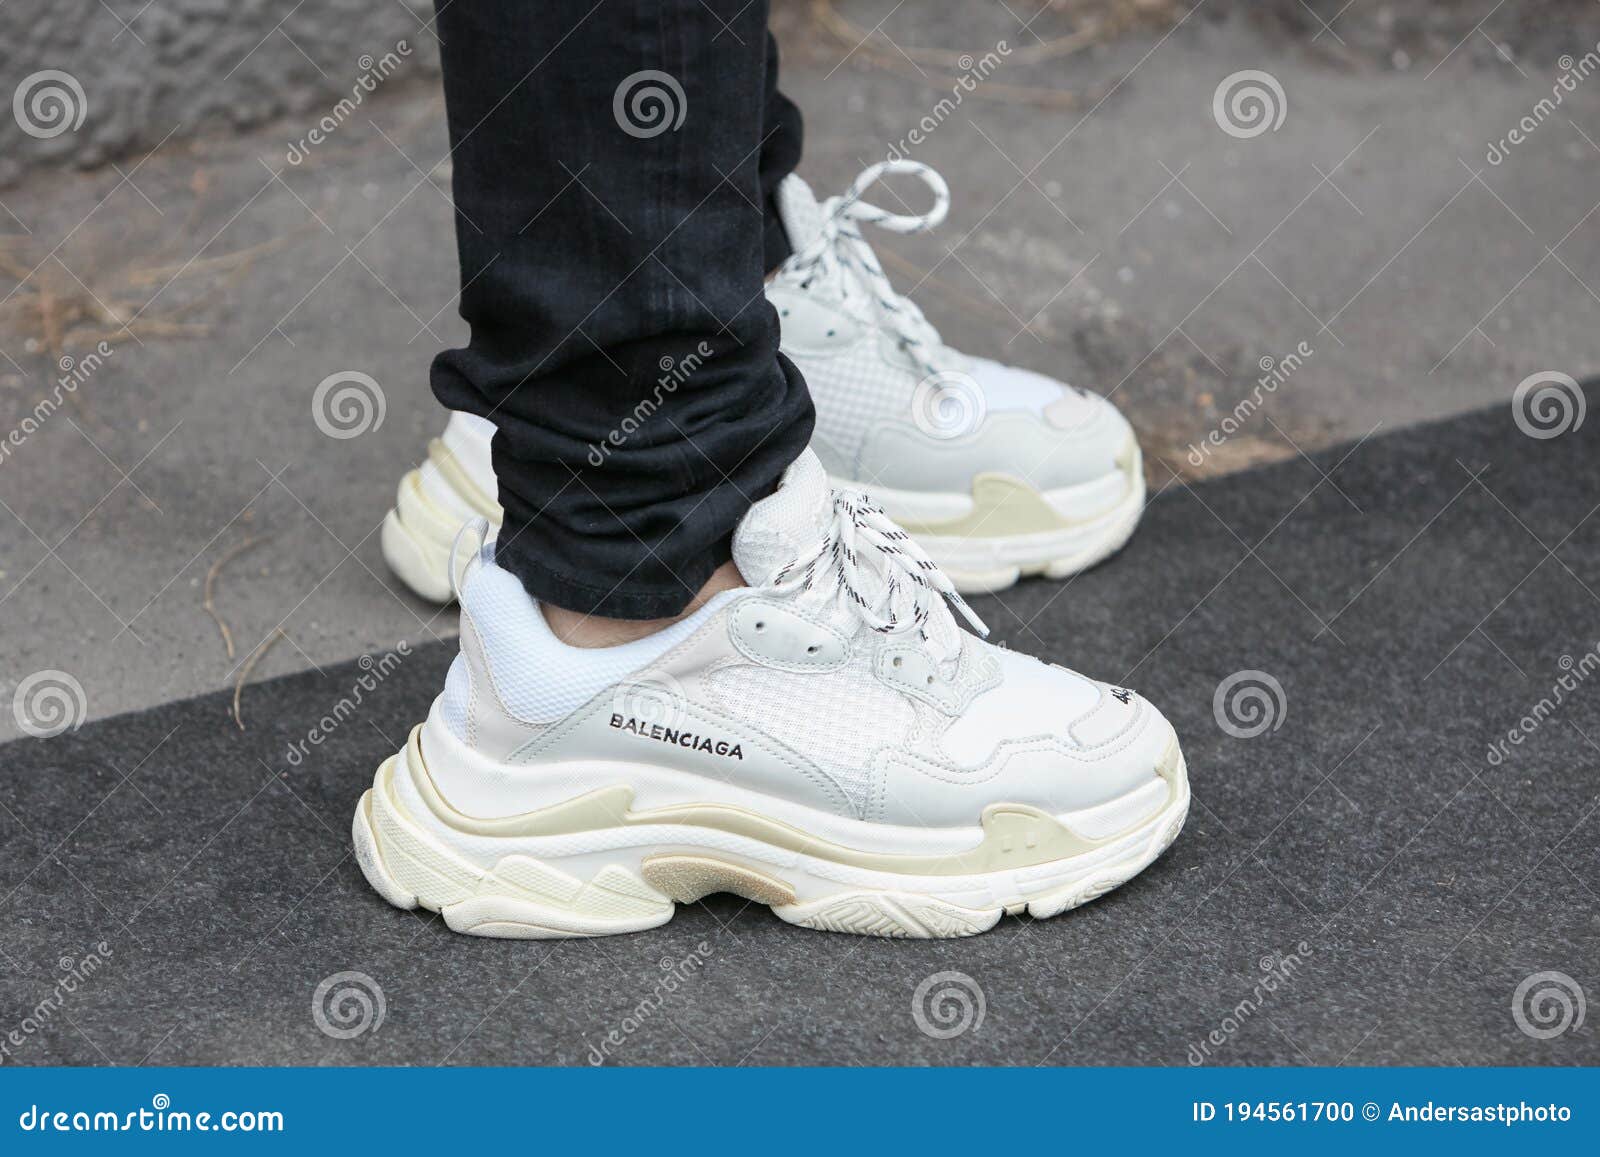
629,874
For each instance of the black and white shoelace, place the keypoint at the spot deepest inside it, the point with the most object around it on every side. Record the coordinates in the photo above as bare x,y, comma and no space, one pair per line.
840,245
904,583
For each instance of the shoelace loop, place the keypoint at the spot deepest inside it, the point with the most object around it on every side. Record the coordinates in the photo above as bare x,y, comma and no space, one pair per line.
909,576
839,243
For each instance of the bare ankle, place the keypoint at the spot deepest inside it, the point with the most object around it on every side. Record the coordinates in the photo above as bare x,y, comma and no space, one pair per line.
580,630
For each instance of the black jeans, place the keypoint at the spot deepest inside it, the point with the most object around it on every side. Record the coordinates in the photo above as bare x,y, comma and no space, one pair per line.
614,230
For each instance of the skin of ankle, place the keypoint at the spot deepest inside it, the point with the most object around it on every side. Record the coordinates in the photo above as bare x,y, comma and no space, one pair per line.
591,631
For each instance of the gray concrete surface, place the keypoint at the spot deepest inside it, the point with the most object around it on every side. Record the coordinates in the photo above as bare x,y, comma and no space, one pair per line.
147,71
1104,229
1360,882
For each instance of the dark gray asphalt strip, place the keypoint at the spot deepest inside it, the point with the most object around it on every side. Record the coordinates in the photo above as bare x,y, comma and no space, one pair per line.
1363,884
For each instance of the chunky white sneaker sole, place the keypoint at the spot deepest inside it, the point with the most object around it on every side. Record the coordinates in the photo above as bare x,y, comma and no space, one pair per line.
428,513
591,865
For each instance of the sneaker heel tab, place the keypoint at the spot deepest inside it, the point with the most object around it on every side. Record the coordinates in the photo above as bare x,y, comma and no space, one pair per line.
476,528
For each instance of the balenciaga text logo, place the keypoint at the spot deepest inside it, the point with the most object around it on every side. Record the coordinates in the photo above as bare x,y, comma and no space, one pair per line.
647,730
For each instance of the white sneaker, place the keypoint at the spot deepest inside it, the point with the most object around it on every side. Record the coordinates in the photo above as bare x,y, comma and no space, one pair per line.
826,741
997,472
454,485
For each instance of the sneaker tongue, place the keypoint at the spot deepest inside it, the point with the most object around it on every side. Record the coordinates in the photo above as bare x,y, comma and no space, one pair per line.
787,523
798,211
791,523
